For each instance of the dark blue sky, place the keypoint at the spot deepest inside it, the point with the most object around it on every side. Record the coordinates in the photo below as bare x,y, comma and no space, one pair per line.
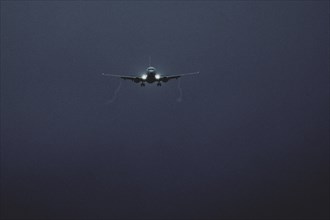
250,140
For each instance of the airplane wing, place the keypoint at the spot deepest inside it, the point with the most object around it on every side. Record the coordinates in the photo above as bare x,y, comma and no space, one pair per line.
166,78
133,78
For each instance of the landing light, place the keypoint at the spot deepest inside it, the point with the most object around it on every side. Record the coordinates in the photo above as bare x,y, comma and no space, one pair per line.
157,76
144,76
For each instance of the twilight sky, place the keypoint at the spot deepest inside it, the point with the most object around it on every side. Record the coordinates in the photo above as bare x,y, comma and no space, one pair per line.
250,139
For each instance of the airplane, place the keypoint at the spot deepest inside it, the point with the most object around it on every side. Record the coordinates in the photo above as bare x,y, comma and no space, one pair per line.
150,76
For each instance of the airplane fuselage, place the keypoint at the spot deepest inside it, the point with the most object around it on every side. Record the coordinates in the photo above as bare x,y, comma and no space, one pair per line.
151,78
151,75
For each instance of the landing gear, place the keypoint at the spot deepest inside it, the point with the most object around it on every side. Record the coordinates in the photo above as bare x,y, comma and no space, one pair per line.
159,84
143,85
